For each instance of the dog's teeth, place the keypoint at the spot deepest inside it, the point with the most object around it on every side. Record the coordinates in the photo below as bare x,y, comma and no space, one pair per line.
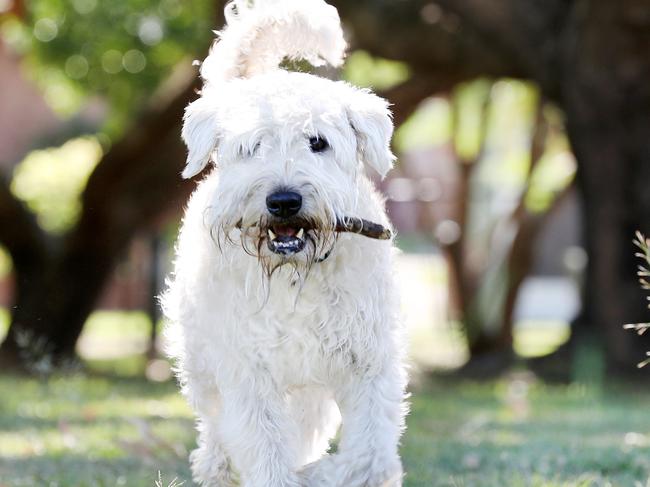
271,234
300,233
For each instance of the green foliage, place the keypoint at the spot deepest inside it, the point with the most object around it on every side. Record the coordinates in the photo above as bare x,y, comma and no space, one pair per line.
116,52
493,130
554,172
120,51
4,313
5,268
362,69
51,181
429,126
509,132
487,122
470,125
557,167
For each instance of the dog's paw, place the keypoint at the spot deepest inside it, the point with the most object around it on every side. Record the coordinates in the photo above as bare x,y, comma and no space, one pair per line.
337,471
314,474
211,469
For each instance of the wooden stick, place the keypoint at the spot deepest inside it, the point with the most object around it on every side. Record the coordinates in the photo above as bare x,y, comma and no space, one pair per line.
363,227
356,225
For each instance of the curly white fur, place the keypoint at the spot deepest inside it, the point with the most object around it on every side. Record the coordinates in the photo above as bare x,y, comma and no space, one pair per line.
271,350
259,36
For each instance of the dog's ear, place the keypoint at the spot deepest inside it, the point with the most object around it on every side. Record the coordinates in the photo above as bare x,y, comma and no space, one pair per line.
372,123
200,134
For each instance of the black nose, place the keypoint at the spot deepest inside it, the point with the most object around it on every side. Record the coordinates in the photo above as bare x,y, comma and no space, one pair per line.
284,203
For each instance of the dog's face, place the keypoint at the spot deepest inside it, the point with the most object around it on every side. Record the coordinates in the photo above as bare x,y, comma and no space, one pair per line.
289,150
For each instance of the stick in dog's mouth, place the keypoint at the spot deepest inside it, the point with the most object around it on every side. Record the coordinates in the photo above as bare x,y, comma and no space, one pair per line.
356,225
363,227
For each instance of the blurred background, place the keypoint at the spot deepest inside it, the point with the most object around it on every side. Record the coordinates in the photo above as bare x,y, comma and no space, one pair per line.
523,143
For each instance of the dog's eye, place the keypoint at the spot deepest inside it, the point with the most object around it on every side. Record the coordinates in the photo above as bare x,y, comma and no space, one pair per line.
247,152
318,144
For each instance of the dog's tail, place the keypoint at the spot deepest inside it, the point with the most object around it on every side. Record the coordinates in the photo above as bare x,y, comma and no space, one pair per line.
259,34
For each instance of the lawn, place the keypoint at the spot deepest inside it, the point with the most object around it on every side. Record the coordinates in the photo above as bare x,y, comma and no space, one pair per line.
114,427
106,431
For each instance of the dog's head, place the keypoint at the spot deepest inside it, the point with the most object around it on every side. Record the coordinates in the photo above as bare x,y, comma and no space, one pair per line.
290,149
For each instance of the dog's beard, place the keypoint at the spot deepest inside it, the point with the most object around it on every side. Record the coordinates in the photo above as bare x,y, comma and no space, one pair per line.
298,242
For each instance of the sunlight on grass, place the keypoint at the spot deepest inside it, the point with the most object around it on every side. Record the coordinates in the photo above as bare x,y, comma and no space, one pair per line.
115,342
536,338
95,431
109,334
122,429
87,431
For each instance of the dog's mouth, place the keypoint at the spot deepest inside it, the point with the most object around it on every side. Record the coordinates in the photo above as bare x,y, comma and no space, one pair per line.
286,239
288,236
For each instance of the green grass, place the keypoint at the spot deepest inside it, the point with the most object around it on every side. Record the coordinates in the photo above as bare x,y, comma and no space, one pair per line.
83,431
518,433
101,431
115,428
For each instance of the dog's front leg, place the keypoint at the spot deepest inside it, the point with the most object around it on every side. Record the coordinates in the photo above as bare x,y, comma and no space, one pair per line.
259,436
372,409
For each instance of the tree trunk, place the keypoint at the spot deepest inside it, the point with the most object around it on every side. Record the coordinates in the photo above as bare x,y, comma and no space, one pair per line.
57,288
607,102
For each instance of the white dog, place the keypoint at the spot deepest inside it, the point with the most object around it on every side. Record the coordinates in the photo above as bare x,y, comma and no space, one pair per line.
284,323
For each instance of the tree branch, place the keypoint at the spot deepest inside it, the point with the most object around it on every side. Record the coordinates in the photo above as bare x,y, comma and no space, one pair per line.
137,179
463,39
407,96
524,31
